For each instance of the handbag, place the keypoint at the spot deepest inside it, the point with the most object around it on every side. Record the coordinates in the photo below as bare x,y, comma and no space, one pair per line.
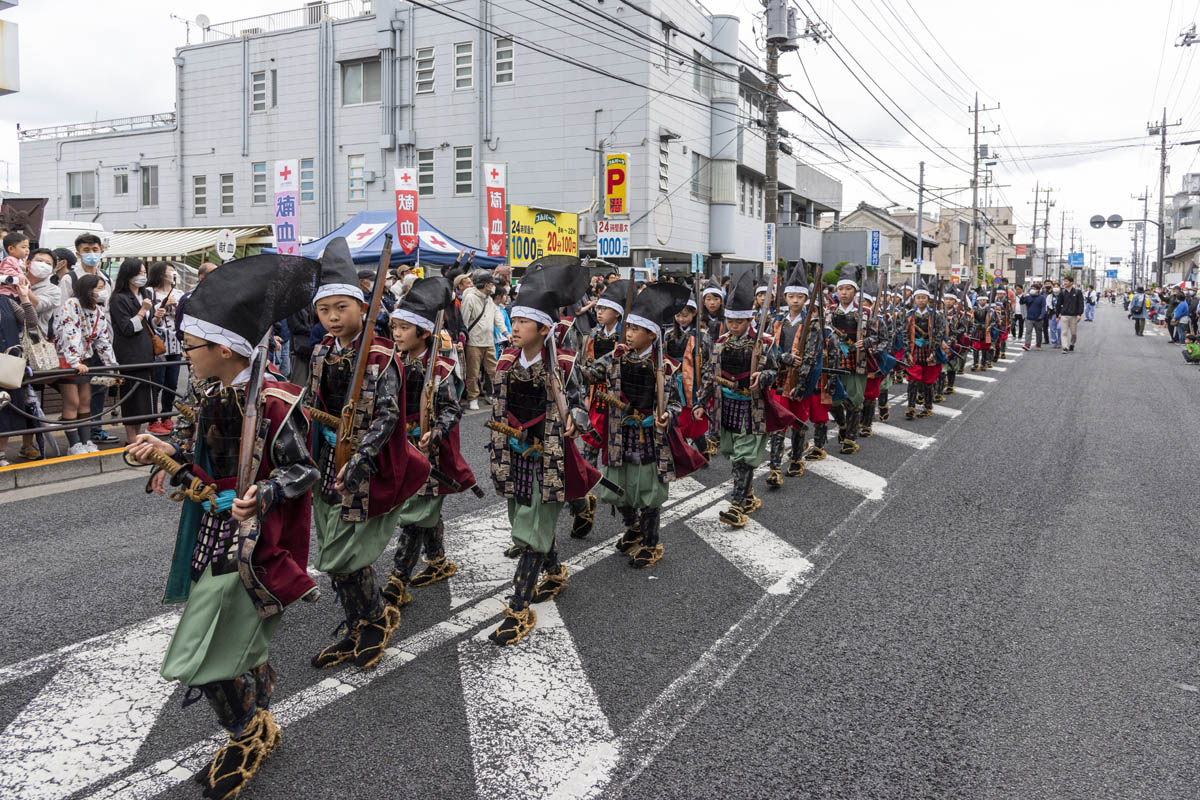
12,369
160,346
39,353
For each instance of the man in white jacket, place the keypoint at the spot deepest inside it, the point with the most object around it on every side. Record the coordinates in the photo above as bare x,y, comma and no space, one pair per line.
480,316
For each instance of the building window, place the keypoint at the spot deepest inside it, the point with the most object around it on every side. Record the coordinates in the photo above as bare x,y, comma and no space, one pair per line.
308,180
464,170
358,178
121,183
424,70
666,35
701,74
741,195
274,88
199,195
464,65
664,164
759,188
258,92
425,173
81,190
504,61
701,177
227,193
258,183
360,82
149,186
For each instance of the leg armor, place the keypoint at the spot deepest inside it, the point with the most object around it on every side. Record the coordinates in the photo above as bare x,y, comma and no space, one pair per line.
437,566
650,551
796,454
820,436
554,577
519,618
583,516
633,531
775,459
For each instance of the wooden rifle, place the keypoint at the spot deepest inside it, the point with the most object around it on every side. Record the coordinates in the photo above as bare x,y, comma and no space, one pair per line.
794,381
697,288
763,316
860,359
347,443
252,412
429,384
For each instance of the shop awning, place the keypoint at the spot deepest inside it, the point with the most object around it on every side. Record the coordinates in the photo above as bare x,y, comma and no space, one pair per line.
178,243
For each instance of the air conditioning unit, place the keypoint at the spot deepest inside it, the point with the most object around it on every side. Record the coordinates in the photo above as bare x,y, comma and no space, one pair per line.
248,32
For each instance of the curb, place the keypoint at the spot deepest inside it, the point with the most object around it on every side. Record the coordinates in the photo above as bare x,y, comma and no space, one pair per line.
53,470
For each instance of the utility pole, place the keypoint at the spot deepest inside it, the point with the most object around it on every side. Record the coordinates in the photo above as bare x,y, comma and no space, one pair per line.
781,36
1161,131
1061,229
920,227
1033,237
1046,234
975,131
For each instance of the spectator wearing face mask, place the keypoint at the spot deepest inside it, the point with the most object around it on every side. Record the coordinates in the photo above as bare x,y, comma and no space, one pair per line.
133,313
46,296
1034,304
1052,312
89,250
83,339
160,282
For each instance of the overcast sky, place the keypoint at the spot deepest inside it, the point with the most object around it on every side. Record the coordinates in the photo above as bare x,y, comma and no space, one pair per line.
1070,78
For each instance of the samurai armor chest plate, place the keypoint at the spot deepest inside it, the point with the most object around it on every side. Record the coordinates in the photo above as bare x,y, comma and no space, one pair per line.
221,414
413,381
735,359
335,379
603,345
527,394
638,383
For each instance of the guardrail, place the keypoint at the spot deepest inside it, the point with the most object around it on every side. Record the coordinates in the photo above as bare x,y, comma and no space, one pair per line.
310,14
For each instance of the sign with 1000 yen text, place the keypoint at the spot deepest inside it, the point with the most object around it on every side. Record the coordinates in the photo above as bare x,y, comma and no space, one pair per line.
612,238
537,232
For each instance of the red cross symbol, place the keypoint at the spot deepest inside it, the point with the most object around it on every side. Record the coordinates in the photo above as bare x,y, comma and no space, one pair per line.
406,177
436,242
494,173
287,171
364,234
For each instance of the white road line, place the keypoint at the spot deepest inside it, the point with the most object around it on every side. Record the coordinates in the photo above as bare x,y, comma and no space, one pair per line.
156,778
533,717
86,482
843,473
967,392
901,435
762,556
477,542
971,376
90,720
997,369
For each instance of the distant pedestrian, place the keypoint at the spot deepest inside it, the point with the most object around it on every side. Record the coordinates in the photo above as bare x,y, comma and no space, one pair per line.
1069,309
1034,304
1018,313
1139,311
1089,304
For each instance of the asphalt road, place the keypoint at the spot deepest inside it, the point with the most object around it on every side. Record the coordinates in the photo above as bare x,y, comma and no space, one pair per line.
1002,609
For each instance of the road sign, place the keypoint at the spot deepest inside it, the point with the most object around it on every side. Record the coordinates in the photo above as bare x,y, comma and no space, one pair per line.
1075,260
874,248
612,238
616,176
1110,273
769,244
226,244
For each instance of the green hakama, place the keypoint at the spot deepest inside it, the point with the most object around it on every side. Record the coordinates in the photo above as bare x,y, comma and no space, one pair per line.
345,547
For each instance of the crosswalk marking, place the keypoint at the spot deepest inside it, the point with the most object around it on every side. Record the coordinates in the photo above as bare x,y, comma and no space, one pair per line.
91,718
968,392
938,410
533,717
998,369
843,473
762,556
901,435
973,377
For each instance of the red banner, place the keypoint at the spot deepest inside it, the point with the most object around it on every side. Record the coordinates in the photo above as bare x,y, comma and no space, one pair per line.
406,209
495,179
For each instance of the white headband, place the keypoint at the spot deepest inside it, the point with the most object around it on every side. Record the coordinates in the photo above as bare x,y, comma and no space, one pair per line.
713,290
209,332
747,314
691,302
795,290
642,322
922,291
348,289
415,319
613,304
528,312
846,282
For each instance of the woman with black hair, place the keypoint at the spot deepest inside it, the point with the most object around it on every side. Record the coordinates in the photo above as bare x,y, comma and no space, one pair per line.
133,313
160,282
83,338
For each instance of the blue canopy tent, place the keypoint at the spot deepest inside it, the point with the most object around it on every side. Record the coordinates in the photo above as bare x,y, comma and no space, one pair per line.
364,233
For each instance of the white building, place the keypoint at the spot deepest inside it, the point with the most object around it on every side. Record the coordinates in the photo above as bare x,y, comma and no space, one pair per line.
355,88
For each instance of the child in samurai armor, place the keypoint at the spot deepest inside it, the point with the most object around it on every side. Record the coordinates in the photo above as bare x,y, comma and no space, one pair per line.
743,411
957,342
238,561
415,333
610,308
925,345
1001,322
791,394
681,339
358,503
644,449
712,322
891,314
536,414
843,351
880,361
981,333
